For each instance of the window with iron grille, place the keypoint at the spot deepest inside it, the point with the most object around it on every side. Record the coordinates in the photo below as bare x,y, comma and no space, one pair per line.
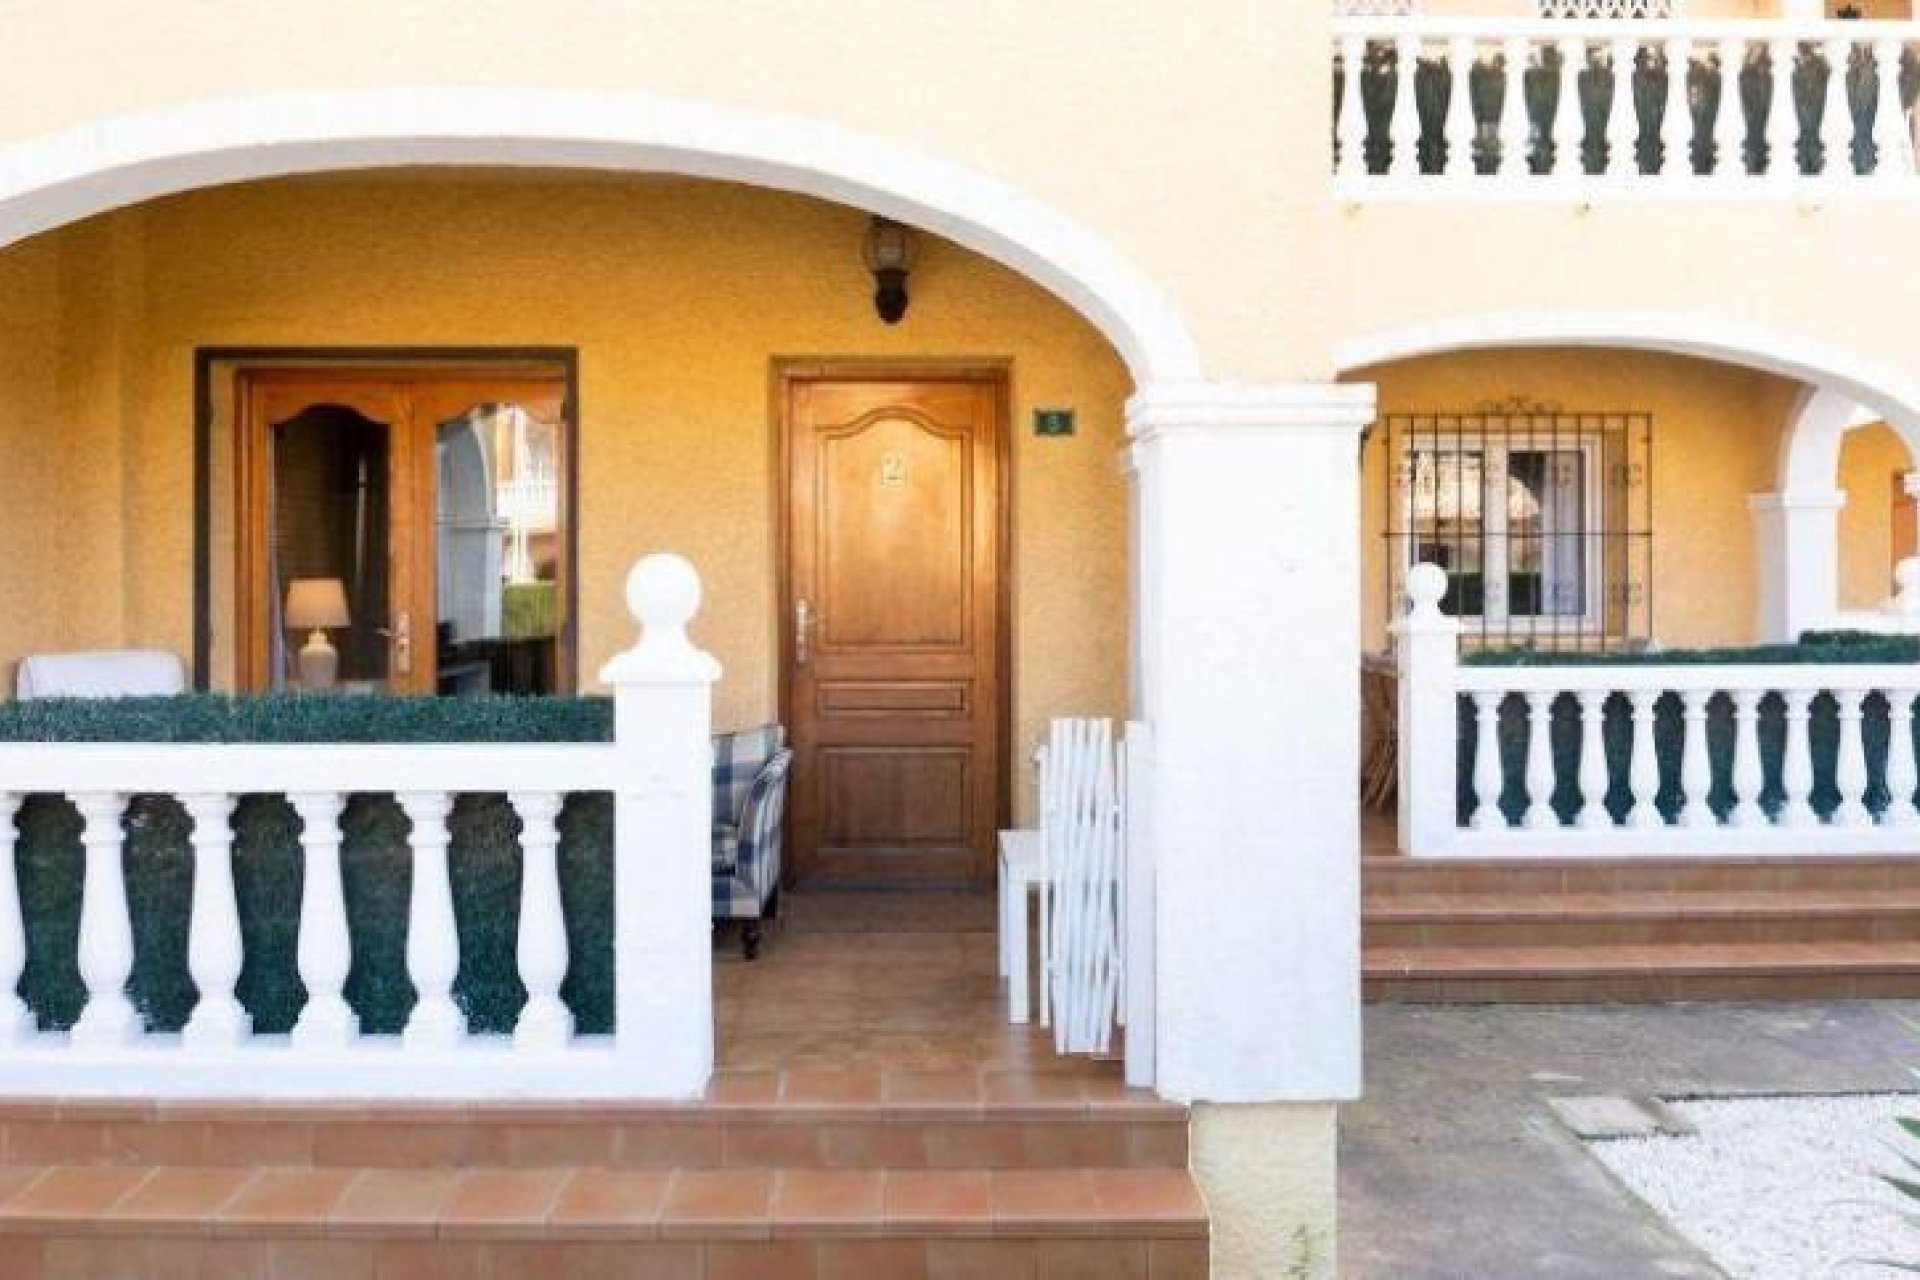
1540,516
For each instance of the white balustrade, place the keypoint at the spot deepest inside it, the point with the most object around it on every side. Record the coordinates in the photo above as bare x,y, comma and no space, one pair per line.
657,767
1623,49
214,953
1794,723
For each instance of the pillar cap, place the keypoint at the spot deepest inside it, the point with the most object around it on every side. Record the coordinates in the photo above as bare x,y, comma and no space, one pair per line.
1162,408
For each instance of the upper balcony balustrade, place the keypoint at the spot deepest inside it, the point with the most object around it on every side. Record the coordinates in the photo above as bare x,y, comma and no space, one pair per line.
1582,108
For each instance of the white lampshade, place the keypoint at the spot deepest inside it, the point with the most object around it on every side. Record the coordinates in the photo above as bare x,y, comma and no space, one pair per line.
313,603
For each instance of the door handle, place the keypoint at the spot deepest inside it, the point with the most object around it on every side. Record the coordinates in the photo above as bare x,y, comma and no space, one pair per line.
803,620
401,634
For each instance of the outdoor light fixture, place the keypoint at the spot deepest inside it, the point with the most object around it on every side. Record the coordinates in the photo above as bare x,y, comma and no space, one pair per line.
889,257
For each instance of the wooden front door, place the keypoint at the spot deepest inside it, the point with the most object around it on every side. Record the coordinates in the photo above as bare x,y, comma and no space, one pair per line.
895,615
435,498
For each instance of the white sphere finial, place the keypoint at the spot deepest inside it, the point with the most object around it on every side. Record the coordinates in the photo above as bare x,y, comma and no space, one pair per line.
663,590
1426,584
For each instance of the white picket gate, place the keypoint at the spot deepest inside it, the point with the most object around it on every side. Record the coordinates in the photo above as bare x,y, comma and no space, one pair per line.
1082,834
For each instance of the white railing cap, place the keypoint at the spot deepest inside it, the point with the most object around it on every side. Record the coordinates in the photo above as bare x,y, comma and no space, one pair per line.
663,595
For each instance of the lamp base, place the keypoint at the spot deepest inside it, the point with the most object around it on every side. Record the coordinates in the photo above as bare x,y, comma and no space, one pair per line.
319,662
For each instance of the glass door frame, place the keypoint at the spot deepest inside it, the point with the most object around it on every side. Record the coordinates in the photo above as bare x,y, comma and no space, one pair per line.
348,379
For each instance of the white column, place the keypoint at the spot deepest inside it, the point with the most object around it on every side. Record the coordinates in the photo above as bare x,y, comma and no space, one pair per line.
1901,771
1351,127
1850,768
1643,770
1796,766
1730,122
16,1020
1489,771
1696,769
1836,118
545,1022
663,835
1404,124
1783,122
1514,127
1890,140
106,931
433,936
1540,815
1623,118
1462,54
214,949
1251,499
1426,644
1569,125
1797,545
1676,122
1594,815
325,949
1749,773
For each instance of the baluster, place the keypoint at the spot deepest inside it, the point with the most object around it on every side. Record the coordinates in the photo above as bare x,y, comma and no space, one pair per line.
1462,54
1488,775
1730,120
1351,127
1404,124
1569,125
1676,121
1643,771
1696,768
1622,118
214,948
545,1022
1850,768
1783,123
106,931
433,938
1889,119
1540,773
16,1020
1796,766
1836,116
1514,125
325,948
1593,761
1901,770
1749,775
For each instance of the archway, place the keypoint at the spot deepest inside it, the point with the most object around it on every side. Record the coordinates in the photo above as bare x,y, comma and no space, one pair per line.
50,181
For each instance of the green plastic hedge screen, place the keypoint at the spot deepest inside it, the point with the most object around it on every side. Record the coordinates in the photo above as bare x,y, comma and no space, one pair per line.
376,865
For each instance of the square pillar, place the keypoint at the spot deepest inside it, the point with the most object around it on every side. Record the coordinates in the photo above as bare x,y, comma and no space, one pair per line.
1247,607
1796,560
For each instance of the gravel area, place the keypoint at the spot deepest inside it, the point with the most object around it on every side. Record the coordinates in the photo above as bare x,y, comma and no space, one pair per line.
1781,1188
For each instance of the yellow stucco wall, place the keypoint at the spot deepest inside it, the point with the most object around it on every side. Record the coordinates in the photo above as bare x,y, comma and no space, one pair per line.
1716,430
1871,458
678,294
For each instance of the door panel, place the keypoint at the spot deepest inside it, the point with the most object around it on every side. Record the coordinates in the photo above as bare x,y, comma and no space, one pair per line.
450,536
894,648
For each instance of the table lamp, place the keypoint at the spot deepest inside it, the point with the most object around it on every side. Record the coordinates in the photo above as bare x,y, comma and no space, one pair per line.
313,605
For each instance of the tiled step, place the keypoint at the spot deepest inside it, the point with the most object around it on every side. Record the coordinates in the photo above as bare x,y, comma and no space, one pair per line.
1675,971
1641,918
1394,875
749,1120
105,1222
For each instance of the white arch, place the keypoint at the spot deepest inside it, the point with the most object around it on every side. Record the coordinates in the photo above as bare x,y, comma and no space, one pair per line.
49,181
1796,528
1892,396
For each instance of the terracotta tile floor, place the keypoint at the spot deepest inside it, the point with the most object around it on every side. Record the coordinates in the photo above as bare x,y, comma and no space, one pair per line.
880,981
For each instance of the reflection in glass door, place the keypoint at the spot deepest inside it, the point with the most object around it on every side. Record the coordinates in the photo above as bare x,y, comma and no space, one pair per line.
497,551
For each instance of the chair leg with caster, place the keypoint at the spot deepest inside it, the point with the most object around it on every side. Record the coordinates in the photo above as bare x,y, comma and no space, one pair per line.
750,939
